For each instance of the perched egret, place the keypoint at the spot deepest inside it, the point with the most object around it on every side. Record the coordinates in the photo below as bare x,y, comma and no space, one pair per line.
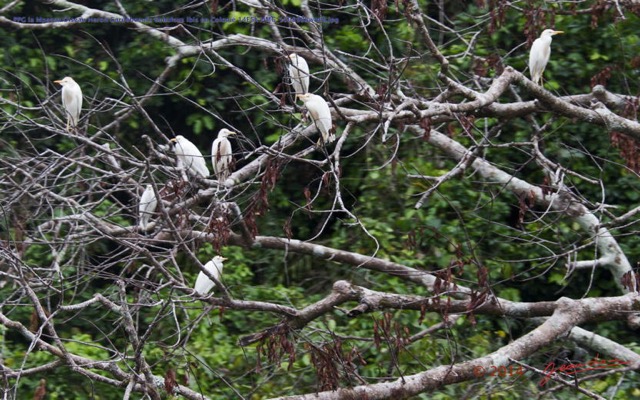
214,267
71,100
148,204
190,156
221,154
539,56
320,114
299,74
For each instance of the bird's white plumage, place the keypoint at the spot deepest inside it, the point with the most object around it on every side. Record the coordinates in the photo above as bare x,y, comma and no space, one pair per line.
299,74
221,154
320,114
148,204
190,157
71,100
539,55
214,267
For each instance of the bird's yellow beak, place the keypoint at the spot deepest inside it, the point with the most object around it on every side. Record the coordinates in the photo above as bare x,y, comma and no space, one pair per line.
173,140
223,258
58,82
557,32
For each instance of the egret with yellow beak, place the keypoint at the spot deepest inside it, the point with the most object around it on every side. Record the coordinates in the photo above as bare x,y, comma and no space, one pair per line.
71,100
299,74
148,204
221,155
539,56
190,157
320,114
214,268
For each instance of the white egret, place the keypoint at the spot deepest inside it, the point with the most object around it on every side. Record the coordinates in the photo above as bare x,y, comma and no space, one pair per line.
214,267
71,100
539,56
299,74
148,204
221,153
320,114
190,156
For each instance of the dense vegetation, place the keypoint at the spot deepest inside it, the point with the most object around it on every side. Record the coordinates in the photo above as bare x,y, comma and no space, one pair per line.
69,206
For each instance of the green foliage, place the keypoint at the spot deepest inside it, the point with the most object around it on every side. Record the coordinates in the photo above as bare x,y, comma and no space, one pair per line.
61,384
466,226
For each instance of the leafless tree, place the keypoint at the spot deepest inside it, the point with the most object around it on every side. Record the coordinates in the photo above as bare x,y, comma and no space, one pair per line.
76,211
